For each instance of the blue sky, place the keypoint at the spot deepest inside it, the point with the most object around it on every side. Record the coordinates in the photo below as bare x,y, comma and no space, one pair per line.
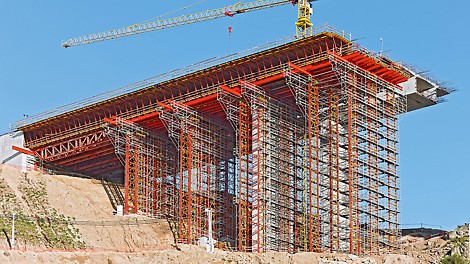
37,74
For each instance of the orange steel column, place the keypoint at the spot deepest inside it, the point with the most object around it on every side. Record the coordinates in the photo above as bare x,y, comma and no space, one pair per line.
146,175
372,136
312,167
157,192
131,176
333,171
136,180
185,191
244,178
127,177
354,237
285,186
299,223
258,185
199,200
390,182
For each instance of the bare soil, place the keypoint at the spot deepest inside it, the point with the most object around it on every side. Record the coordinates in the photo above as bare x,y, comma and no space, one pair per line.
86,201
86,204
192,257
108,238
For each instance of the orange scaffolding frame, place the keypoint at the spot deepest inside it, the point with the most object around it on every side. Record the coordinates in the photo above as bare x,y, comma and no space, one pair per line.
294,148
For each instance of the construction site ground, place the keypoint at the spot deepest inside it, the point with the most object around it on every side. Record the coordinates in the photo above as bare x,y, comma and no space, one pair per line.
83,229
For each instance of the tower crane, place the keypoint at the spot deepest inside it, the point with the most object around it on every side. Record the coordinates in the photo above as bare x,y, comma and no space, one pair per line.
303,24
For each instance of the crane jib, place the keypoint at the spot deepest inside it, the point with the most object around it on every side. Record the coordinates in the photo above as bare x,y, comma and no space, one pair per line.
238,8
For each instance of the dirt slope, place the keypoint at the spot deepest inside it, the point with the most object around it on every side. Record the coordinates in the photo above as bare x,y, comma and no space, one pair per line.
425,250
192,257
81,203
63,219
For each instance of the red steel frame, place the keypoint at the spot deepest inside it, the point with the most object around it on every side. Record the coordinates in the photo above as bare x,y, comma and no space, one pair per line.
240,147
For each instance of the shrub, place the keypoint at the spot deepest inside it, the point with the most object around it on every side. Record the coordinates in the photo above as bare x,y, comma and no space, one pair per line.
453,259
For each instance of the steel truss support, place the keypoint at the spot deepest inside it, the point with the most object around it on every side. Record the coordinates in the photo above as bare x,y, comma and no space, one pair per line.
314,165
373,109
351,157
261,172
275,208
275,184
239,116
305,91
318,177
149,168
71,147
203,169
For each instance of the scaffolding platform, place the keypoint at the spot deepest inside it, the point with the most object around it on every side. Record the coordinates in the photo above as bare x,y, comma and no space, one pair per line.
294,145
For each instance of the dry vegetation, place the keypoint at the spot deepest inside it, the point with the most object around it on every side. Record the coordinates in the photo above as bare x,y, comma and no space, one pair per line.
62,219
60,212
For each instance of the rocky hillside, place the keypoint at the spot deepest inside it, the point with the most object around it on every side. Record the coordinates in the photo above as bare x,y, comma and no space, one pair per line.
453,244
61,219
61,212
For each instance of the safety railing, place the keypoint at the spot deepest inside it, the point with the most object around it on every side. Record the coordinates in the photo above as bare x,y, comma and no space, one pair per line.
165,77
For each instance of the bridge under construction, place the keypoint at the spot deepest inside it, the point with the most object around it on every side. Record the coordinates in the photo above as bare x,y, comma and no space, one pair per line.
294,145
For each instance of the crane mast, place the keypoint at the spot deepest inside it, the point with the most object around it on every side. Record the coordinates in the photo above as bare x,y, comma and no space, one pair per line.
302,25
